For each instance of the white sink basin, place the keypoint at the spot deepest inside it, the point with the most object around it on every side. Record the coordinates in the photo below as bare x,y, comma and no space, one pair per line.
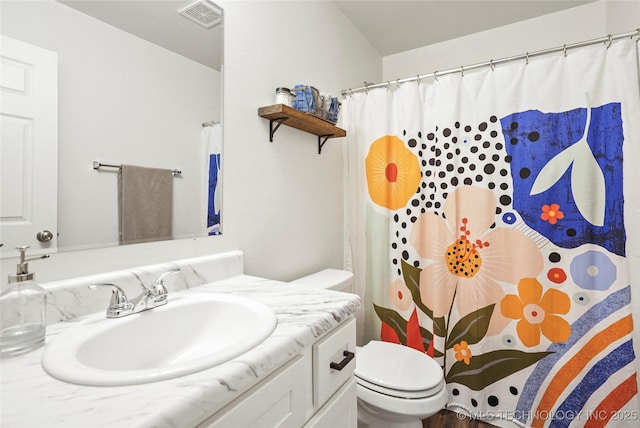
192,332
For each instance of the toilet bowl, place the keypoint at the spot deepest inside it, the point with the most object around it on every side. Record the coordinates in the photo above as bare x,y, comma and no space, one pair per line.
397,386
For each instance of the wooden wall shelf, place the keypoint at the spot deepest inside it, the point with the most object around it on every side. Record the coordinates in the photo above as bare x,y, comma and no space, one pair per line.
283,114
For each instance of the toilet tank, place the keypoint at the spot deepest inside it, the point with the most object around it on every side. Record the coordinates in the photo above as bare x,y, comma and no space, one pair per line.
331,279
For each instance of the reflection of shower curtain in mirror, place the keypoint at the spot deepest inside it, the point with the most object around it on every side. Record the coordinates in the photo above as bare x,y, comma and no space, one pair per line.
213,143
494,222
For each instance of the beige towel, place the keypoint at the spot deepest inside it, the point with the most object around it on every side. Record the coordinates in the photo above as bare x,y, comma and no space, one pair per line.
145,197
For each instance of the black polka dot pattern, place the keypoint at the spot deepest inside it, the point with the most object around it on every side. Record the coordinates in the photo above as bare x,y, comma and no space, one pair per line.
454,155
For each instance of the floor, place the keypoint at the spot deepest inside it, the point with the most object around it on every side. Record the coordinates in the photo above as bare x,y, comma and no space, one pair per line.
449,419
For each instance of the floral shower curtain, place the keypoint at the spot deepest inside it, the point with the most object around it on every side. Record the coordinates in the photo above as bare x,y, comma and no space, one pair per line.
493,220
212,146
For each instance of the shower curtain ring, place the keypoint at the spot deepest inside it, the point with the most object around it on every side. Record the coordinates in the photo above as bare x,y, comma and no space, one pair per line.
462,70
388,84
435,75
609,41
564,48
527,59
398,83
493,66
418,79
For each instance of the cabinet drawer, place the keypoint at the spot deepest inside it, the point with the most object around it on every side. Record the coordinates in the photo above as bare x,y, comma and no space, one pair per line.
279,401
335,348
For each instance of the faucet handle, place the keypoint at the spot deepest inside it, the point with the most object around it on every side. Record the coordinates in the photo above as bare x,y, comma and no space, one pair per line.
158,290
119,303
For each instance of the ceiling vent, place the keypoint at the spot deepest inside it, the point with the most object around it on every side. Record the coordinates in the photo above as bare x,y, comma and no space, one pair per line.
202,13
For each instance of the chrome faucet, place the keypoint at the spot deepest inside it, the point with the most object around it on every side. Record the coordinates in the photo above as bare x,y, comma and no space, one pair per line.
151,297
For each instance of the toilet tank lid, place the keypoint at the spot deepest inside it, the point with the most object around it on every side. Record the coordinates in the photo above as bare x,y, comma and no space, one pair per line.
334,279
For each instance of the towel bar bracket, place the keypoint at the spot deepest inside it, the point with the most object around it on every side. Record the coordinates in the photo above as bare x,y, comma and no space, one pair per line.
97,165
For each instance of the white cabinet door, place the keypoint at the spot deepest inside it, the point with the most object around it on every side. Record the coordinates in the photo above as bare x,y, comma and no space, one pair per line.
337,347
29,153
280,401
341,411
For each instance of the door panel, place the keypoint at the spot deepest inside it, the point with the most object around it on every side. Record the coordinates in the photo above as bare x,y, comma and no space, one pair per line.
29,149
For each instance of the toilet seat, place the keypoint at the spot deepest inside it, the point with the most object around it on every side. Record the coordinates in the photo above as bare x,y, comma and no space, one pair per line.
397,371
398,393
394,407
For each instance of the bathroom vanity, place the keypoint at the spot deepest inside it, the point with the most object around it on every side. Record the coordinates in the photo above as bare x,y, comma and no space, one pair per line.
286,380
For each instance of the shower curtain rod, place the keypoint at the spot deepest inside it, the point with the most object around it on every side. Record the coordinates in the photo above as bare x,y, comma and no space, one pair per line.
492,63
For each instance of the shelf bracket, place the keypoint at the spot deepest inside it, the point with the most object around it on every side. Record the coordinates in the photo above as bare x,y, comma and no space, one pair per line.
273,130
322,139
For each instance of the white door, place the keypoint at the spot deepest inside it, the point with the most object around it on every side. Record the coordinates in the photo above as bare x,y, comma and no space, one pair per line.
29,154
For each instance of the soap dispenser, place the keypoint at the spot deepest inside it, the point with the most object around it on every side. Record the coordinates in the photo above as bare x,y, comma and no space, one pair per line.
22,311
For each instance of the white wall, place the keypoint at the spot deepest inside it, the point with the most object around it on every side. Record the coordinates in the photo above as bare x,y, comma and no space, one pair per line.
121,100
283,203
622,15
590,21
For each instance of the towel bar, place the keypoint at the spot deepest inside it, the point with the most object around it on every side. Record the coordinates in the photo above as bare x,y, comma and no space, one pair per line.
97,165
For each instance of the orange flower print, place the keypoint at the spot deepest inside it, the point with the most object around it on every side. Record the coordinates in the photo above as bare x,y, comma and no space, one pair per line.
470,256
393,172
463,353
551,213
536,312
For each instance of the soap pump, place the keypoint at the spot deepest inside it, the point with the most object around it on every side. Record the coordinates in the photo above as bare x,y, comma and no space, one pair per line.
22,311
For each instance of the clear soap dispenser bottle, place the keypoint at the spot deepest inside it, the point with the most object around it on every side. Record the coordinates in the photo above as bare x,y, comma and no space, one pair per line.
22,311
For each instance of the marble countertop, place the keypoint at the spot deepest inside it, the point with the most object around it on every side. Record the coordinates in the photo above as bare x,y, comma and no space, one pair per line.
29,397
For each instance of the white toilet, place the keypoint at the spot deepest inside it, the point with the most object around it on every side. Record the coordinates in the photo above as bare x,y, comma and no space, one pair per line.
397,386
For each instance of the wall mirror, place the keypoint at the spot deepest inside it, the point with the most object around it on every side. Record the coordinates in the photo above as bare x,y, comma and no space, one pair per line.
138,83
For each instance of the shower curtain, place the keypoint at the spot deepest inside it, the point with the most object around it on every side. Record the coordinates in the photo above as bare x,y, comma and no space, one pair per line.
493,220
212,143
